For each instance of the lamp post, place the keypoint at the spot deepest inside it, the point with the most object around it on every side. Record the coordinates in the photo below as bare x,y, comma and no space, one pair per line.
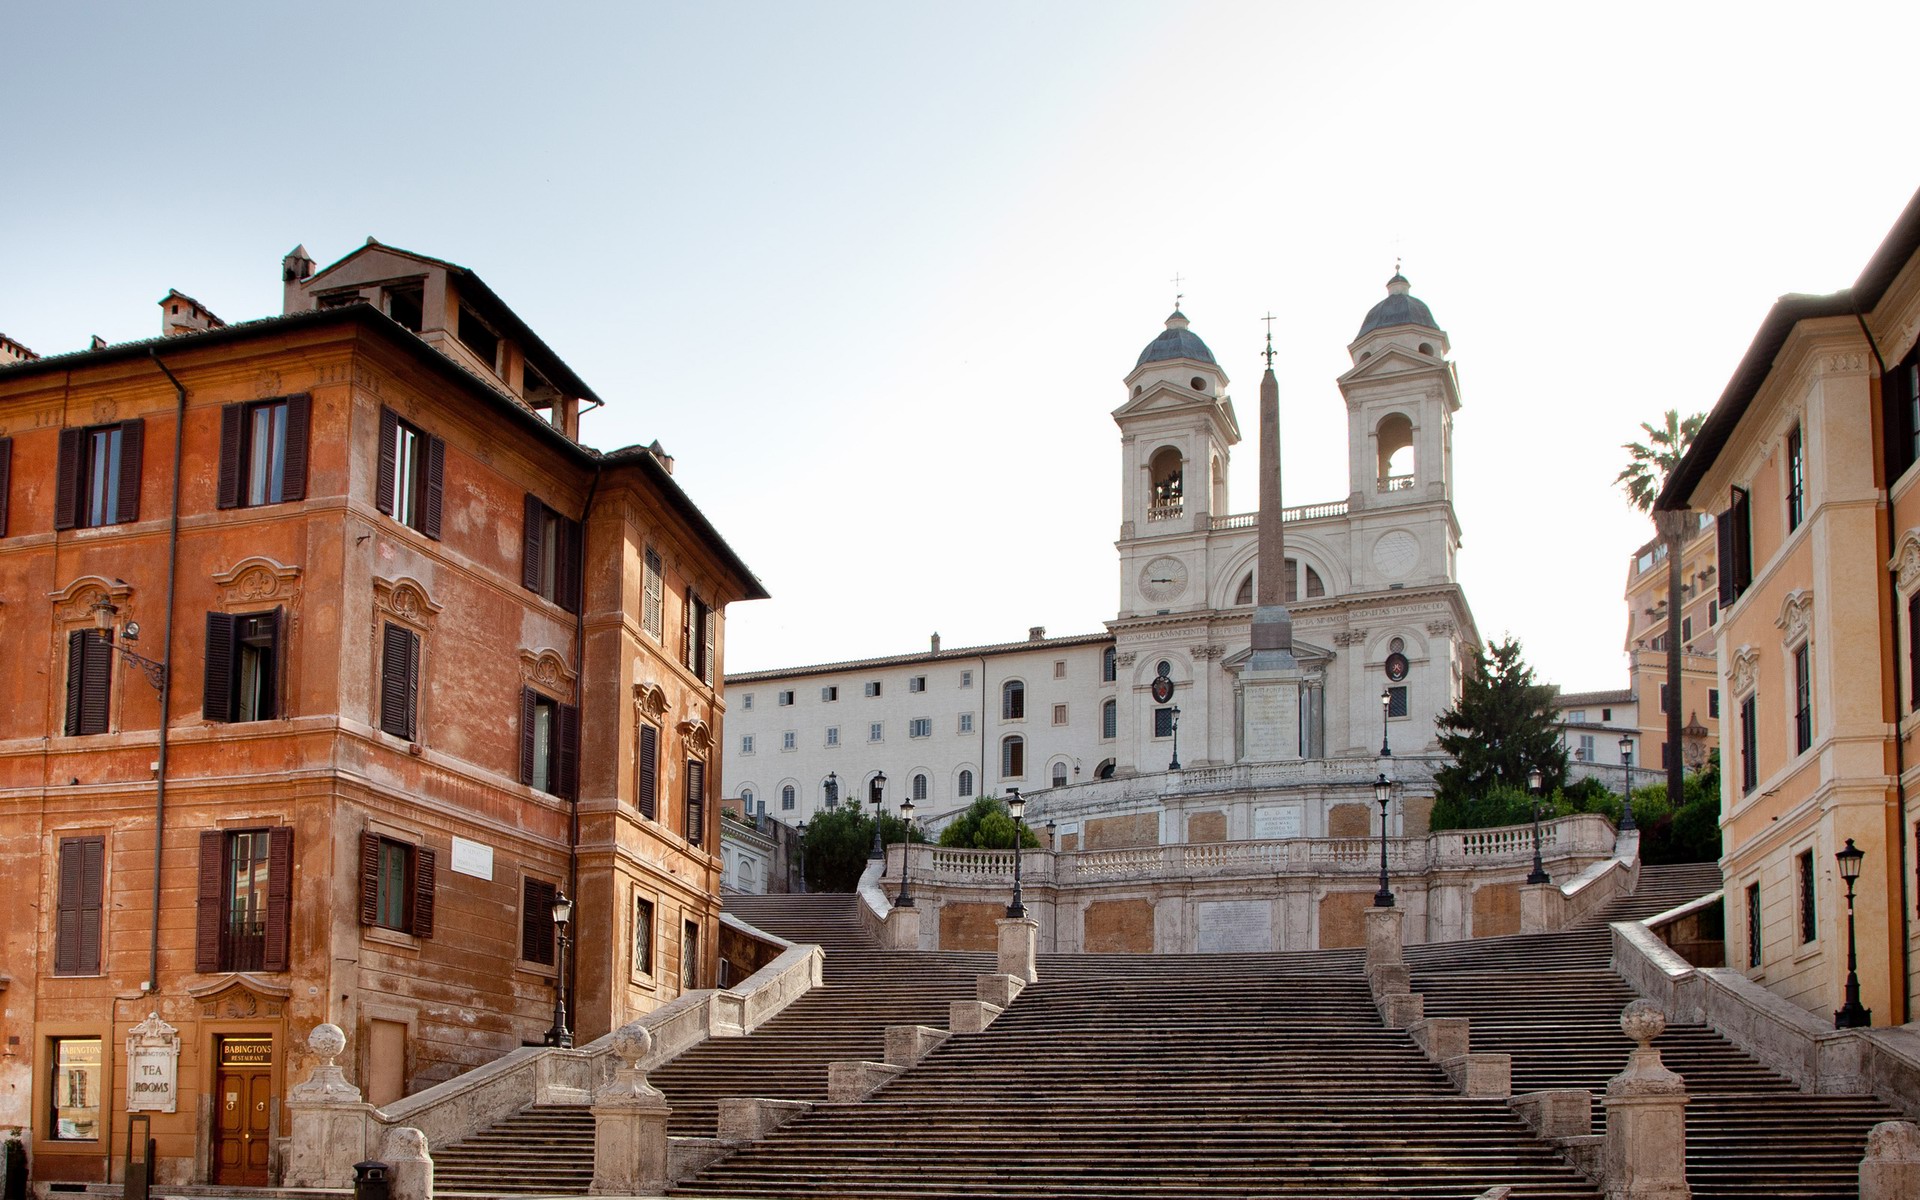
1626,763
1851,1015
801,845
1386,706
875,792
1017,807
1535,785
1175,764
905,898
1383,793
560,1035
103,614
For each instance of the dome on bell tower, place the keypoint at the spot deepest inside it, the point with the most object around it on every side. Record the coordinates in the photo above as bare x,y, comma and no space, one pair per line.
1177,341
1399,308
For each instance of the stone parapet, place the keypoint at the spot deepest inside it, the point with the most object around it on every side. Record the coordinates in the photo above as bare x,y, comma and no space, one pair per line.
1442,1037
853,1080
971,1016
1401,1010
750,1118
908,1044
1481,1076
1019,948
1556,1113
405,1151
1891,1168
1001,990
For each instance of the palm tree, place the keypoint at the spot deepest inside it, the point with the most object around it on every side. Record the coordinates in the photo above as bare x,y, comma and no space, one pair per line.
1649,465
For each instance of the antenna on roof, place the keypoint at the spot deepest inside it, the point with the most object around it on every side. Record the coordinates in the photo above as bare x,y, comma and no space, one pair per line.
1178,295
1269,320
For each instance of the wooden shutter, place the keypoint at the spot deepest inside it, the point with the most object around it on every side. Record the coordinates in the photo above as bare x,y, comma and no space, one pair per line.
423,881
1742,562
711,637
572,537
687,636
132,442
6,476
218,689
77,923
279,898
649,793
233,424
436,488
66,485
210,909
1913,653
536,922
270,703
1723,535
399,680
293,473
76,676
529,709
389,467
696,800
568,757
369,878
89,679
532,542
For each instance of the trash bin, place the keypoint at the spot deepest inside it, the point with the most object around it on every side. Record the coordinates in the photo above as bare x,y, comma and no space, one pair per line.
372,1180
13,1169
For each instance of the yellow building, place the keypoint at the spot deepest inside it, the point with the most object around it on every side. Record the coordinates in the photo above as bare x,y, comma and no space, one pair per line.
1808,464
1646,645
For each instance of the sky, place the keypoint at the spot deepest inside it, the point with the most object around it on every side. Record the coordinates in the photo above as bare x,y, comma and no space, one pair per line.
873,273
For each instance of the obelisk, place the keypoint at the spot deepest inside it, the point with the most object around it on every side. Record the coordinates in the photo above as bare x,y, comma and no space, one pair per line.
1271,683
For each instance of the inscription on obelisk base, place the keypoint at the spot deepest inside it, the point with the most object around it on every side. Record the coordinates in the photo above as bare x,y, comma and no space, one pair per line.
1271,708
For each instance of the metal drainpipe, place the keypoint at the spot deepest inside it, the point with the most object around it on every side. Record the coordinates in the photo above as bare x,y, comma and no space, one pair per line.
579,706
980,784
166,672
1899,744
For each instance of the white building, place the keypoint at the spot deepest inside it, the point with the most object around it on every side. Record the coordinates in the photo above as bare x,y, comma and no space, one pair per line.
1371,591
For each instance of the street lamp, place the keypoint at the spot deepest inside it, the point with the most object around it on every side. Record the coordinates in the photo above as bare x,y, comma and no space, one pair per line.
1386,706
1536,785
1017,807
1383,793
905,898
874,793
103,614
1851,1015
831,790
801,845
1626,763
560,1035
1175,764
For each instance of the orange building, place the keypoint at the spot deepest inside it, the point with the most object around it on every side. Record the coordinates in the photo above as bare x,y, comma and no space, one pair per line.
331,657
1647,632
1808,461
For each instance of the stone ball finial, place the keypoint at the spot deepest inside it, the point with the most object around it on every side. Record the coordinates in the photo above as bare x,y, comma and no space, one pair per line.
1894,1141
1643,1021
632,1043
327,1041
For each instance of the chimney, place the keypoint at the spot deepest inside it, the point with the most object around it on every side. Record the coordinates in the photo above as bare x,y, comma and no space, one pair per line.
936,644
98,343
1036,633
12,351
295,269
659,452
181,313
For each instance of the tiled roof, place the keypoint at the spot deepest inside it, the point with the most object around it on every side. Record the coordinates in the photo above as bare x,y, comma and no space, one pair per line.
1575,699
926,656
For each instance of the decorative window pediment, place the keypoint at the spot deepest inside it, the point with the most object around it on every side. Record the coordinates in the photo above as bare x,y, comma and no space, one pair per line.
406,601
258,580
547,671
650,698
1907,560
1745,668
1796,617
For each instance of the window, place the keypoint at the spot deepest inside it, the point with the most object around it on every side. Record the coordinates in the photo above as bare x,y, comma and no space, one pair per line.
790,740
1749,746
1734,530
1110,719
1013,757
1059,774
873,732
1397,701
1109,665
696,801
699,639
1663,697
965,786
966,679
1163,722
263,452
966,722
89,681
917,683
410,484
1802,700
243,667
1796,479
1713,612
1577,717
1686,630
1059,668
536,921
873,687
1606,714
484,342
1666,752
746,743
1900,415
785,699
75,1089
1013,700
746,702
98,479
245,900
549,745
399,681
407,305
787,798
833,735
1585,752
746,802
689,955
920,727
829,694
1753,925
550,558
396,885
642,936
6,476
1913,652
646,790
1809,923
653,604
1059,714
76,933
919,787
1713,702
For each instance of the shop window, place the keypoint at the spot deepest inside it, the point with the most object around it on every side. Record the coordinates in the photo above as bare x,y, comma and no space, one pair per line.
75,1089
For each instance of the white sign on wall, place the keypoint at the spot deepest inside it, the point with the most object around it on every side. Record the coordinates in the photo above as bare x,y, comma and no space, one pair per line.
1278,821
1229,925
153,1066
472,858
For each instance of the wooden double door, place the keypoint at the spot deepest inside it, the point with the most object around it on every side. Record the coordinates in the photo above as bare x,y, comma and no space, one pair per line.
243,1106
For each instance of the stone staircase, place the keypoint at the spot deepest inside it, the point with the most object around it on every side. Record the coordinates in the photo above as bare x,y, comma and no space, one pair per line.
1553,1003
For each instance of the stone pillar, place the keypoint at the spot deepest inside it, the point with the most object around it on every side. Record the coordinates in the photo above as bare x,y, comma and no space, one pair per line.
1891,1169
1646,1147
1019,948
327,1121
405,1150
629,1124
1542,907
1386,966
901,930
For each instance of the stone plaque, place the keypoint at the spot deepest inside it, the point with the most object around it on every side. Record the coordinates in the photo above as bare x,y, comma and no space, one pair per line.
1278,821
153,1066
1235,925
472,858
1272,713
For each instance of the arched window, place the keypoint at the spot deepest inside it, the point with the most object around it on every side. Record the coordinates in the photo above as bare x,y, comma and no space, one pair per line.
919,787
1013,700
1110,719
966,785
1013,757
1394,444
746,801
1104,770
1166,471
787,797
1245,594
1059,774
1109,665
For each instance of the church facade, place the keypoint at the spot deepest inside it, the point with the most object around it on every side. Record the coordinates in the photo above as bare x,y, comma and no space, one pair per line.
1379,629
